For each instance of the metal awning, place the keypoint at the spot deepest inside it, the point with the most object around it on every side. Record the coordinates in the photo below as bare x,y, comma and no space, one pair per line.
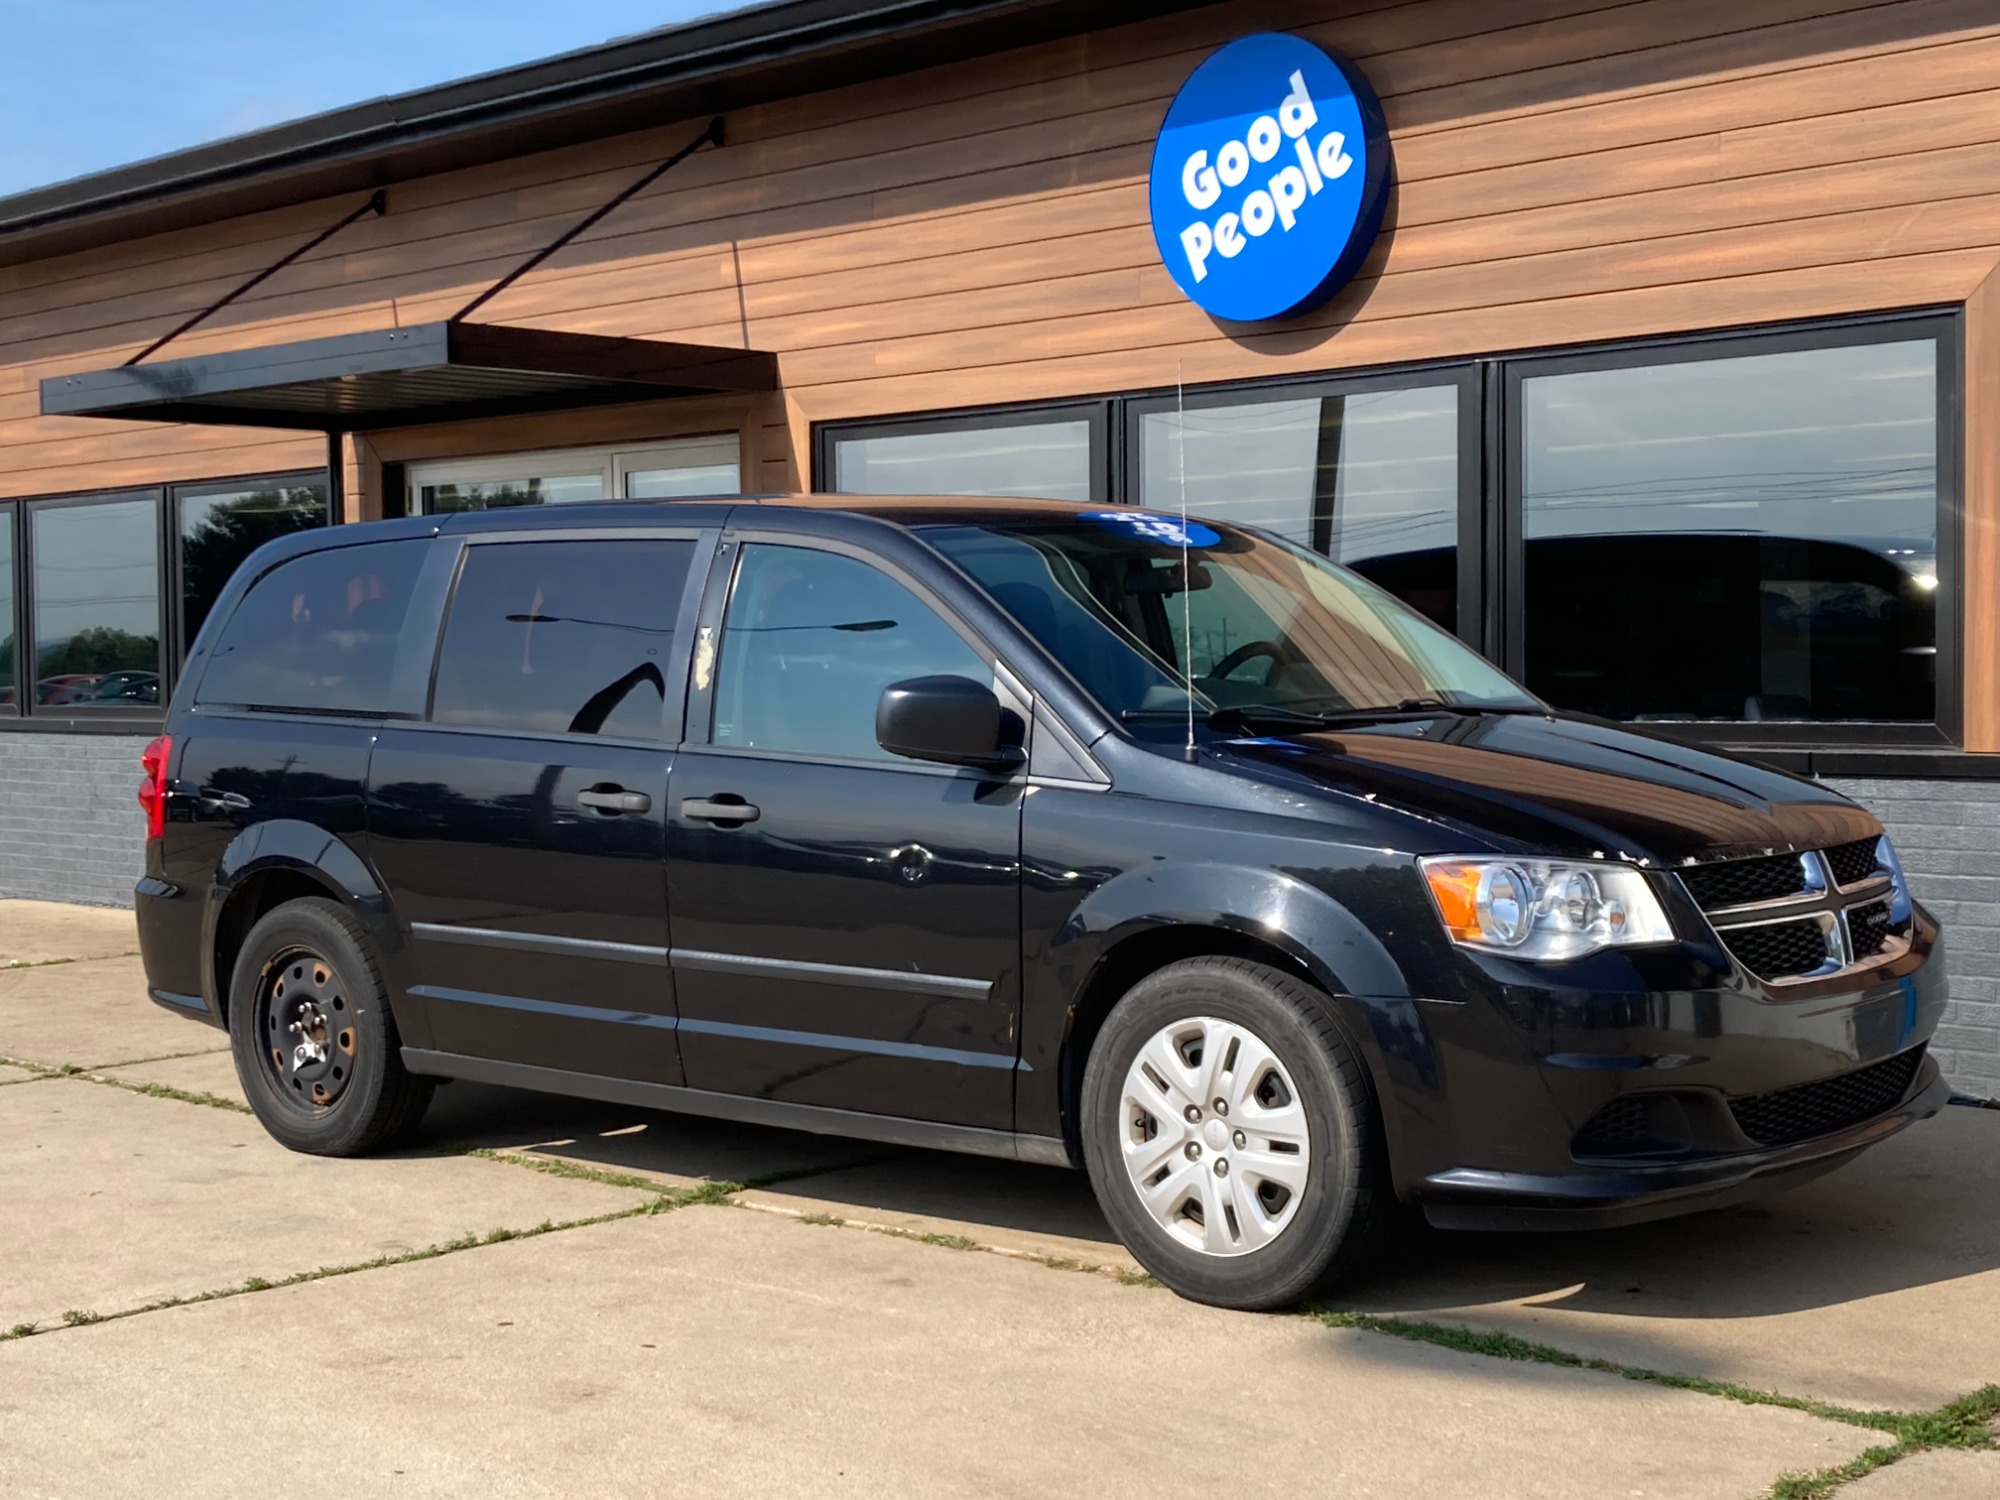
397,377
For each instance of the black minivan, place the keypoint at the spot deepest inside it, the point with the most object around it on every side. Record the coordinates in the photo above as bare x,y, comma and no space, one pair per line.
1078,835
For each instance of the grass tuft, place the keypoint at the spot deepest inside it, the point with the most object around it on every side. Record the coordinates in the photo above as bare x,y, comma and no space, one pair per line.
18,1331
75,1318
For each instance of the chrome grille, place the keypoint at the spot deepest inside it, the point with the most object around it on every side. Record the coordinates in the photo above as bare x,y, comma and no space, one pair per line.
1870,928
1739,882
1788,918
1782,950
1853,863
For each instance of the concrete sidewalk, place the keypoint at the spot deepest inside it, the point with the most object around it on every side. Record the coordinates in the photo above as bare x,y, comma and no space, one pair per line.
551,1297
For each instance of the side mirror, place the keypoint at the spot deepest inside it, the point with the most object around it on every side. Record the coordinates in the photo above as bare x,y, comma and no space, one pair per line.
952,720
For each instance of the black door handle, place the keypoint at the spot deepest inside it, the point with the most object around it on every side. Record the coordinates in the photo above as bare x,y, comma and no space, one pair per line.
727,808
614,799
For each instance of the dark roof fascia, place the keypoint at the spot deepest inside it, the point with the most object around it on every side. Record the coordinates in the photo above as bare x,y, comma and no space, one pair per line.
711,66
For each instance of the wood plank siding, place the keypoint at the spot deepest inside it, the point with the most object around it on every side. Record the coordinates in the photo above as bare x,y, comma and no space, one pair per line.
1566,171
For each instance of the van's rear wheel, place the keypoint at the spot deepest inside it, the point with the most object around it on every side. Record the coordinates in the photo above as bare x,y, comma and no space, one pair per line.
315,1044
1231,1135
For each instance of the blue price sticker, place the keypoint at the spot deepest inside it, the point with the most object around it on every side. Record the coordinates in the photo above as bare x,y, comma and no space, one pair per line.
1269,178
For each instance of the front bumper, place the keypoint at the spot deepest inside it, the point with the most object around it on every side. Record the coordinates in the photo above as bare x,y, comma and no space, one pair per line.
1480,1198
1491,1100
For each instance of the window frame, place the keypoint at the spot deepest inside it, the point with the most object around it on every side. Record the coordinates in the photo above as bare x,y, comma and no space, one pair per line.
1507,559
22,715
15,512
116,720
1106,450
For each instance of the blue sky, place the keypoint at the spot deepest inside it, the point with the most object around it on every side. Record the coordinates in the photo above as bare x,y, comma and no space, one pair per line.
91,84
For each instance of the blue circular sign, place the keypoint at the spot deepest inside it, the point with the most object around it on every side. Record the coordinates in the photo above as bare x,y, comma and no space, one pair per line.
1269,178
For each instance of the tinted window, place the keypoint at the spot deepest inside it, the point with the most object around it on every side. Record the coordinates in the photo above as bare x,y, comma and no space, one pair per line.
97,605
562,637
319,632
1745,538
1370,479
219,530
811,640
1048,459
1253,622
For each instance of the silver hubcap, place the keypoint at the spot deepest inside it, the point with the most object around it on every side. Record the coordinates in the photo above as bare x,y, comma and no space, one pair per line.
1214,1136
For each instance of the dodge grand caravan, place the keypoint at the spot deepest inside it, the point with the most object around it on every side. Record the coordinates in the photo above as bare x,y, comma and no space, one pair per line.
1084,836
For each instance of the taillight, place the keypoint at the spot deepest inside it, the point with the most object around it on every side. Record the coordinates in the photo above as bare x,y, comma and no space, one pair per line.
153,790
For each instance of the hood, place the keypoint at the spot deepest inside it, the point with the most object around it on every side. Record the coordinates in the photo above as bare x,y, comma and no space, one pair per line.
1568,787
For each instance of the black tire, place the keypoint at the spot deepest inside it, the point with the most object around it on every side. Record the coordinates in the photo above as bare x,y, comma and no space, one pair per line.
307,975
1346,1203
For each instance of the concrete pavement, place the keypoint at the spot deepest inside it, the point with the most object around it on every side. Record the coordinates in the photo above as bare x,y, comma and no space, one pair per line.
525,1302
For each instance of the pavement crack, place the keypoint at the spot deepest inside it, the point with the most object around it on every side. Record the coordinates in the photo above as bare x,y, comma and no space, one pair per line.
140,1062
662,1201
1124,1275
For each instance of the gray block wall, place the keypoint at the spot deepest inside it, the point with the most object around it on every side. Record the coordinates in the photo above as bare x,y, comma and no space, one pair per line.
1948,834
70,824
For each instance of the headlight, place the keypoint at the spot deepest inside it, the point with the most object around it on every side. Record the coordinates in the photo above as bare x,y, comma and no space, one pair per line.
1544,909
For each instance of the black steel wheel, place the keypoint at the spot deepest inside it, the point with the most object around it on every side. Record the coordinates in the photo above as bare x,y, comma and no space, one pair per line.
315,1042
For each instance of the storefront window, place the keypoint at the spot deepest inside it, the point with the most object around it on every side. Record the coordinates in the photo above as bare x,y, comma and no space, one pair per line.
219,529
1750,538
7,671
682,467
497,494
96,599
1051,460
1369,478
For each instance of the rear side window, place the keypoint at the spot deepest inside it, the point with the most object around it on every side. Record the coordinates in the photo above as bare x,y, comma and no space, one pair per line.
318,633
562,637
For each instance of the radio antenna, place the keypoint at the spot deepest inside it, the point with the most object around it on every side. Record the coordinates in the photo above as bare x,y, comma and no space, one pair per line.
1187,574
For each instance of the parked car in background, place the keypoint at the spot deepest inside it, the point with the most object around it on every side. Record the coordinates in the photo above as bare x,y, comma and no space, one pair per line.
1085,836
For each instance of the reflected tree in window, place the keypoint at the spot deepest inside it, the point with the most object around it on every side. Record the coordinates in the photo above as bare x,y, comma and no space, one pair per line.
219,531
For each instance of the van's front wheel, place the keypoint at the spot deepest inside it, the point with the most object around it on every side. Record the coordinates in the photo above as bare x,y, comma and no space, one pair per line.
1231,1136
315,1044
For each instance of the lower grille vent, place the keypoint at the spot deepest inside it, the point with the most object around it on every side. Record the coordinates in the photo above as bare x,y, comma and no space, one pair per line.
1831,1104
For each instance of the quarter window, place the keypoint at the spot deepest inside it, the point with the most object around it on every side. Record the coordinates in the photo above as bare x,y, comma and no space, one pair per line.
220,528
318,633
809,642
563,637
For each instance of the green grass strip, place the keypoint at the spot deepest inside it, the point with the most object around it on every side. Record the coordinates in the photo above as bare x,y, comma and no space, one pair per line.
1496,1345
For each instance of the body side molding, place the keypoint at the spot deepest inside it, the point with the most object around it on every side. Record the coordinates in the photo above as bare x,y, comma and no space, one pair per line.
815,1118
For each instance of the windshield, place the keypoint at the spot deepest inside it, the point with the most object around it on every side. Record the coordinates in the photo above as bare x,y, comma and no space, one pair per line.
1258,624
